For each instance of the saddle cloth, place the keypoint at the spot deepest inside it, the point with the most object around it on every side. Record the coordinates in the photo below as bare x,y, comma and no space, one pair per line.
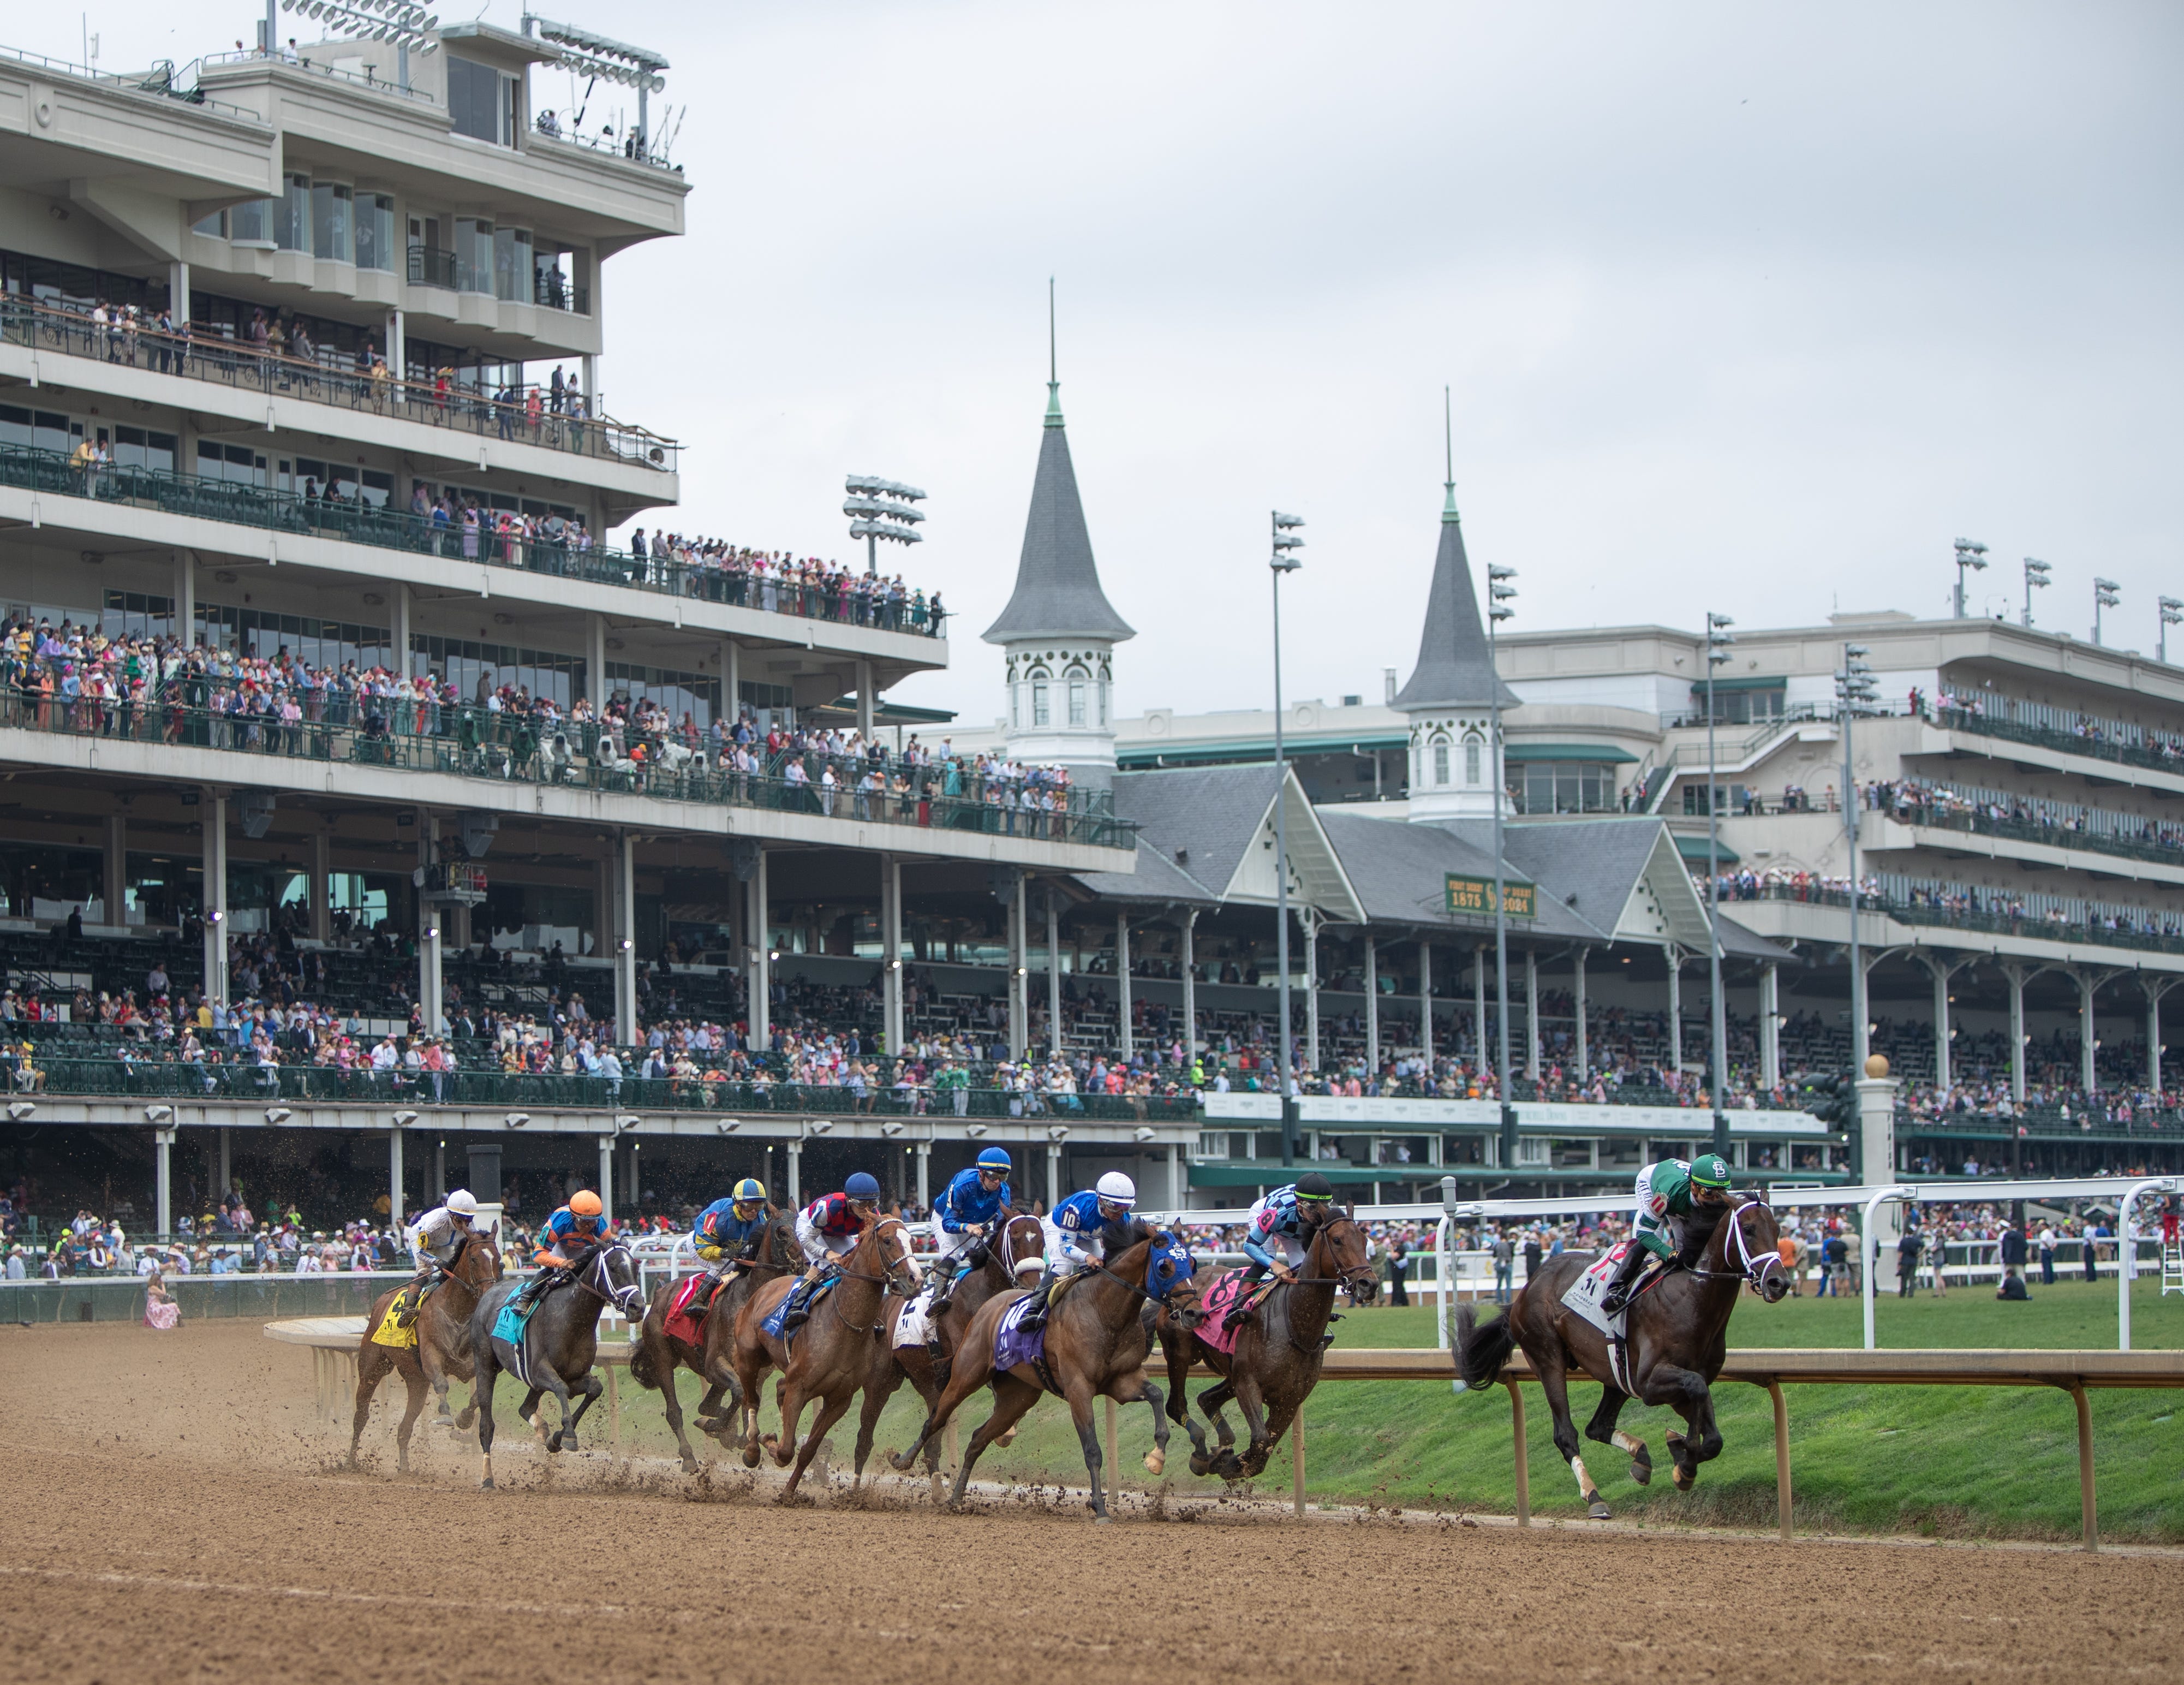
1583,1298
681,1322
510,1326
775,1317
392,1331
1221,1300
915,1327
1014,1344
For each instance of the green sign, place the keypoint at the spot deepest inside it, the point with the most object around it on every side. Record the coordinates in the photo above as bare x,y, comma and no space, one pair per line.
1476,895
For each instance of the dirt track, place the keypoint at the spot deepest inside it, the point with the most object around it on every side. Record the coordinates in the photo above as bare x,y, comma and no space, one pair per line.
177,1515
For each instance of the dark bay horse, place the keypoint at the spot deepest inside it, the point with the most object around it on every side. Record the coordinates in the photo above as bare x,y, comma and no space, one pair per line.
831,1356
442,1351
1097,1342
1677,1336
658,1355
1019,1247
561,1341
1278,1351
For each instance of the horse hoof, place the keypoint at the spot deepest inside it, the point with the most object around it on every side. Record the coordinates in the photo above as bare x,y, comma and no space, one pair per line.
486,1485
1200,1464
1155,1460
1598,1511
1641,1472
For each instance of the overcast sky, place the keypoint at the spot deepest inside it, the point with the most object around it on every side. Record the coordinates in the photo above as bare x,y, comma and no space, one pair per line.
1745,308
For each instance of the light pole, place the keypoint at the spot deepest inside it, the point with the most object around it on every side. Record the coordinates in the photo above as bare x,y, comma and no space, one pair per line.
2105,596
1854,689
1970,554
1281,562
2172,614
408,28
1718,639
1499,593
880,509
2036,579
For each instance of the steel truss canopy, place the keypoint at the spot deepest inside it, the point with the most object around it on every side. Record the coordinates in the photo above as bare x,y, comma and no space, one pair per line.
590,54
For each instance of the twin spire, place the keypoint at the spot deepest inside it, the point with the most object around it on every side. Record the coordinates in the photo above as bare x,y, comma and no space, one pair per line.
1456,666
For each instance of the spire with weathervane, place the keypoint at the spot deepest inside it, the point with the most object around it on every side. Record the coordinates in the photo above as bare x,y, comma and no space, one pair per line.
1058,632
1451,695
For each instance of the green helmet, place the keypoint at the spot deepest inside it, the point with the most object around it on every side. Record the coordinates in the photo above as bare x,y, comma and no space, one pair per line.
1710,1171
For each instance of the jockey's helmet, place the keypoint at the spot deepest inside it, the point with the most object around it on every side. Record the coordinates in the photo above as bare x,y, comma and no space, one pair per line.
463,1202
862,1189
1709,1177
748,1192
994,1160
585,1203
1315,1196
1117,1193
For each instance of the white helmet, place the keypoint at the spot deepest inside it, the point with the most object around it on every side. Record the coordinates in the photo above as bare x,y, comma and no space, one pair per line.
463,1202
1118,1189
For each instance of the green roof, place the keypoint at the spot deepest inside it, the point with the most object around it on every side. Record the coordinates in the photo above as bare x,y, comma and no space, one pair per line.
1569,751
1699,685
1204,751
1694,850
887,713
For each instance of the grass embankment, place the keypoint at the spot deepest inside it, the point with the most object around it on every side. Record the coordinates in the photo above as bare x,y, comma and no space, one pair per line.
1998,1462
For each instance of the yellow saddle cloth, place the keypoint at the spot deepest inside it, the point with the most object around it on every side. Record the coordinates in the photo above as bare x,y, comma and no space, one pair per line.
391,1332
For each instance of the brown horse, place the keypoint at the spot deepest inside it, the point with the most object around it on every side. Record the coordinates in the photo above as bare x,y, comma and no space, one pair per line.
659,1355
442,1351
1096,1345
1278,1351
831,1356
1019,1247
1676,1337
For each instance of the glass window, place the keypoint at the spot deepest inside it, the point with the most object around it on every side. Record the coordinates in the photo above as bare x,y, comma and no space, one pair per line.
476,107
139,448
374,231
1441,761
330,222
1471,774
1075,698
214,225
473,254
248,223
1568,787
291,216
511,264
679,693
1039,703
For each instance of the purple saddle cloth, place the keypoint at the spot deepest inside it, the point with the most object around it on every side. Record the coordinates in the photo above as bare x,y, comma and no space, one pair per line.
1014,1344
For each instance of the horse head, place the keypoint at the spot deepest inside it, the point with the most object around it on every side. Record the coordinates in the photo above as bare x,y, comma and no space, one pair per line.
1338,1250
613,1273
1021,1247
476,1263
886,1243
1746,1240
1169,1276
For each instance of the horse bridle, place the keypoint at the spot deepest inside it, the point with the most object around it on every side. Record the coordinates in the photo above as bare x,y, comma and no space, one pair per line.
596,1265
886,1281
1755,1269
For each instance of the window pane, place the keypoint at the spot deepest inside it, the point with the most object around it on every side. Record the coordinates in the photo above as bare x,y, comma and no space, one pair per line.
249,220
291,216
330,222
474,100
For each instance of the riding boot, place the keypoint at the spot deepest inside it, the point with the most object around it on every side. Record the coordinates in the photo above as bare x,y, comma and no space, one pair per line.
945,1298
1625,1279
1035,1315
798,1311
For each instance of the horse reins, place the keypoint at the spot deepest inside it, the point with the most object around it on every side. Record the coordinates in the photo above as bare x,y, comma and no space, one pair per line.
1754,1272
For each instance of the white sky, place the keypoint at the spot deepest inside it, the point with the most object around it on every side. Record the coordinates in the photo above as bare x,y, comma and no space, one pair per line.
1745,308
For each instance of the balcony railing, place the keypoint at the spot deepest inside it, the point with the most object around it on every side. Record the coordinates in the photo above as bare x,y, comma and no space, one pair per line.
2068,731
384,528
2056,925
2148,1123
2051,836
430,266
473,742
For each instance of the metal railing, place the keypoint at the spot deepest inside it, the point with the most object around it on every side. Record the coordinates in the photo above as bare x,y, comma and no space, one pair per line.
383,526
473,742
338,382
160,82
2067,730
2045,1123
624,150
1953,818
2033,926
303,63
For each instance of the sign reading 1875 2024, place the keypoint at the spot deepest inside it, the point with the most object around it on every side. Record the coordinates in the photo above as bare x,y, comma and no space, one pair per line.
1476,895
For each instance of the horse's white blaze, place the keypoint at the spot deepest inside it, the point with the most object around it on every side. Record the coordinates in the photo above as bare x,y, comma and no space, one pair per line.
1628,1442
1583,1480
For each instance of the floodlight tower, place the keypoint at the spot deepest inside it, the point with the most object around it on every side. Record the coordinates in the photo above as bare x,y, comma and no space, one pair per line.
1282,560
1718,640
2172,614
1970,554
2036,579
407,27
882,509
2105,596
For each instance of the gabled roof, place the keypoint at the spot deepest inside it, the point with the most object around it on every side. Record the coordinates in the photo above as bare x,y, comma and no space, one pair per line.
1455,667
1057,593
1626,873
1157,878
1216,824
1401,872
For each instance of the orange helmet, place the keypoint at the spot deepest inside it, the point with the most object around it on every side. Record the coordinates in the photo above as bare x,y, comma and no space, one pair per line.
584,1203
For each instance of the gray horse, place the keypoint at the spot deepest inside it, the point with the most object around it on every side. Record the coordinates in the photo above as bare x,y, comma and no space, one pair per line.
560,1341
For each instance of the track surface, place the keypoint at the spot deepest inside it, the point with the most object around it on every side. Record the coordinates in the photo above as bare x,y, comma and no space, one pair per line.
177,1515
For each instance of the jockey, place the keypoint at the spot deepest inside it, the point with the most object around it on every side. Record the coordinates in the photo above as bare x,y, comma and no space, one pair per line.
1670,1193
964,1214
728,1232
433,1239
1285,1221
828,1230
576,1228
1076,1235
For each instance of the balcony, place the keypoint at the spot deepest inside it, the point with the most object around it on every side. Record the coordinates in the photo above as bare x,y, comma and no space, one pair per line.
842,600
245,368
1987,912
469,742
2068,732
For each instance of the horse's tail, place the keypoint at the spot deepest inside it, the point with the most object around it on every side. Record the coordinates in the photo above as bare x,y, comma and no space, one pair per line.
641,1369
1481,1351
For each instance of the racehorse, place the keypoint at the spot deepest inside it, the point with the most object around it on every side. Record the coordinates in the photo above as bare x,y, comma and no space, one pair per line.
562,1339
658,1356
442,1351
830,1357
1676,1337
1096,1345
1020,1245
1278,1351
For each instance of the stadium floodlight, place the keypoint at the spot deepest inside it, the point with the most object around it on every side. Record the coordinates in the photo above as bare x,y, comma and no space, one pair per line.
727,1125
975,1131
602,58
1142,1134
2172,614
516,1120
2036,579
159,1114
20,1111
1282,559
407,28
882,509
2106,595
403,1119
277,1115
1972,555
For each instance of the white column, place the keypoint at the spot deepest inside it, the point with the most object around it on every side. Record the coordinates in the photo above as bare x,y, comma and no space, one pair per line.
1175,1197
759,971
214,824
428,923
1876,1121
1478,1007
397,627
2016,974
114,879
1020,968
398,355
394,1176
439,1190
1124,1040
1939,974
606,1190
731,679
2087,1079
865,700
227,1160
795,1151
625,948
595,660
925,1175
1770,1026
1577,991
162,1147
321,885
1053,1175
1675,956
1311,921
891,946
1371,1004
186,596
1053,1032
1425,999
1532,1012
178,292
2154,991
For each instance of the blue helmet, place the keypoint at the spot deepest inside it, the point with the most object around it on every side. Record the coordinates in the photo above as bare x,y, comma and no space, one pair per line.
994,1159
862,1186
749,1191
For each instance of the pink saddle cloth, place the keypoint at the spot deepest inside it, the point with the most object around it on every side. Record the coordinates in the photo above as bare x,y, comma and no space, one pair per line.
1224,1296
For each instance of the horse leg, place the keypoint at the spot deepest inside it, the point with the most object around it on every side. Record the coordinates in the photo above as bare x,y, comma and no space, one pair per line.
371,1369
1603,1430
747,1372
415,1408
482,1401
1156,1459
830,1408
1253,1402
1011,1398
1554,1382
877,1395
594,1387
1213,1401
1685,1394
972,1369
789,1401
560,1389
1088,1436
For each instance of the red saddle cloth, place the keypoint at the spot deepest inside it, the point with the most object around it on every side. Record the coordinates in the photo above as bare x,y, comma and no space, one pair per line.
681,1325
1224,1296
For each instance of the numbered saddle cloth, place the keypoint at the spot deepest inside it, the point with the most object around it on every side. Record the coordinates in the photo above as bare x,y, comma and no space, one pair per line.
510,1325
683,1322
916,1326
1222,1300
393,1330
775,1317
1584,1297
1015,1344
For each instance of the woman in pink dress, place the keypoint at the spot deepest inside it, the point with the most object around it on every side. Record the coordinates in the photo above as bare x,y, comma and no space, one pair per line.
160,1310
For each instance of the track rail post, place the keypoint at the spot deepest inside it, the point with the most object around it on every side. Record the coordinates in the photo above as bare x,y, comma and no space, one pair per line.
2089,1509
1781,1455
1297,1464
1114,1451
1523,1469
614,1407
